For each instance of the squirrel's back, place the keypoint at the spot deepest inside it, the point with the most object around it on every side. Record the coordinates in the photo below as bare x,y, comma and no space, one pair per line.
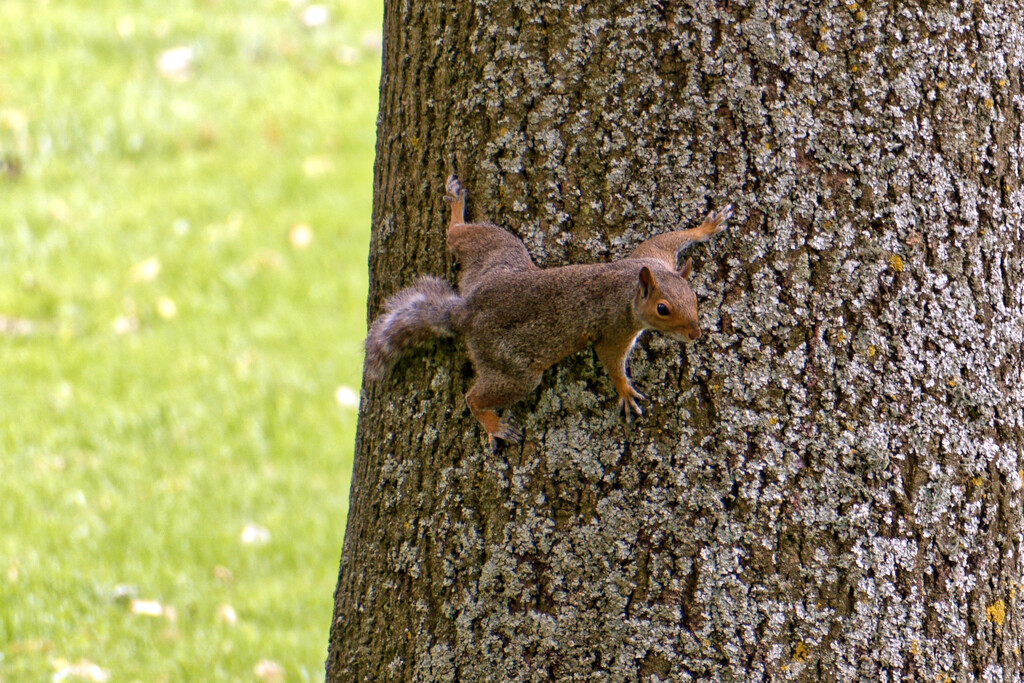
539,317
417,314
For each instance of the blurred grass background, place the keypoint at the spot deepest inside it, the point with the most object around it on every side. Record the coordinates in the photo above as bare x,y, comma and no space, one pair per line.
185,191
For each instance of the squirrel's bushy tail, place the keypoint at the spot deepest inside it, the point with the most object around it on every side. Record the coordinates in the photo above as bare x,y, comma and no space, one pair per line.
412,316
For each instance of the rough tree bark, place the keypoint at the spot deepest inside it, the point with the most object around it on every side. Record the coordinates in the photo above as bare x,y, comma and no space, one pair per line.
827,486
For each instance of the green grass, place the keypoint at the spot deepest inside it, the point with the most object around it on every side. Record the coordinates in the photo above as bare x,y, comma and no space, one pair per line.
168,357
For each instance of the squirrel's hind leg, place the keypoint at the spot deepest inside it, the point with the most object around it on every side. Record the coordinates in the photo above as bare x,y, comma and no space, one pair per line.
480,248
492,390
466,241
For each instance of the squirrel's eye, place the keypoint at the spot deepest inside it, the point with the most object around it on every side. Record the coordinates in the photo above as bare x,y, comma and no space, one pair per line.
662,309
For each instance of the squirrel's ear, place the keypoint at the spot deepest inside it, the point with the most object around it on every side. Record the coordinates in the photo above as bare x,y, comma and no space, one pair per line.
687,267
647,282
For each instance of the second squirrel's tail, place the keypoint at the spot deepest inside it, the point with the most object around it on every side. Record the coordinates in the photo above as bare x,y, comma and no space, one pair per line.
411,317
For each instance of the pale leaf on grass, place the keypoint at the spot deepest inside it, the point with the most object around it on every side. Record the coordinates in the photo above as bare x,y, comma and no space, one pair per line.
60,211
268,671
149,608
317,166
82,670
14,120
32,646
145,270
63,395
264,259
153,608
346,55
166,308
16,327
126,324
124,593
373,41
223,574
176,63
346,397
254,534
125,27
300,236
315,16
227,614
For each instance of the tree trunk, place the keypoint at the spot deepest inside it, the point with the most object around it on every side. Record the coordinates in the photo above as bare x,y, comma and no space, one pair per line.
827,485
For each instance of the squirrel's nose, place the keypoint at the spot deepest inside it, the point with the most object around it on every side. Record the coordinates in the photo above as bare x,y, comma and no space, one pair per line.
695,335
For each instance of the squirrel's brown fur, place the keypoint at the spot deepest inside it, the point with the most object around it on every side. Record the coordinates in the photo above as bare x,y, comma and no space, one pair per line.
518,319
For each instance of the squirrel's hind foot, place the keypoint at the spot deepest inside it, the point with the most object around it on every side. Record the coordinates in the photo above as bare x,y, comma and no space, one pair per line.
496,428
456,198
507,432
454,191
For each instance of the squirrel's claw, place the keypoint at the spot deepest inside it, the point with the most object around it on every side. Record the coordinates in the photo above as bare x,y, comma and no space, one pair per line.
717,220
628,404
713,224
506,432
454,189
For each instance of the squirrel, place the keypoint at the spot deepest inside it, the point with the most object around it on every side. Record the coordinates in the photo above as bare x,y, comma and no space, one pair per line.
518,319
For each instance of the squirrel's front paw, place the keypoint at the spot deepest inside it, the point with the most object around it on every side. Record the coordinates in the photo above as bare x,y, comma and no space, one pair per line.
628,403
454,190
715,222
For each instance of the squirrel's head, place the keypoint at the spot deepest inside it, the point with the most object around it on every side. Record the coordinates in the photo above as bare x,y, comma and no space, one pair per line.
665,303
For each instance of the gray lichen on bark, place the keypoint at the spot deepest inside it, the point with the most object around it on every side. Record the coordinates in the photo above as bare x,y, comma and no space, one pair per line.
825,487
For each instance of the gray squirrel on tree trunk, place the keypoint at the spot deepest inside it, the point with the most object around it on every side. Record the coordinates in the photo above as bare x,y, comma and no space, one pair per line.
518,319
